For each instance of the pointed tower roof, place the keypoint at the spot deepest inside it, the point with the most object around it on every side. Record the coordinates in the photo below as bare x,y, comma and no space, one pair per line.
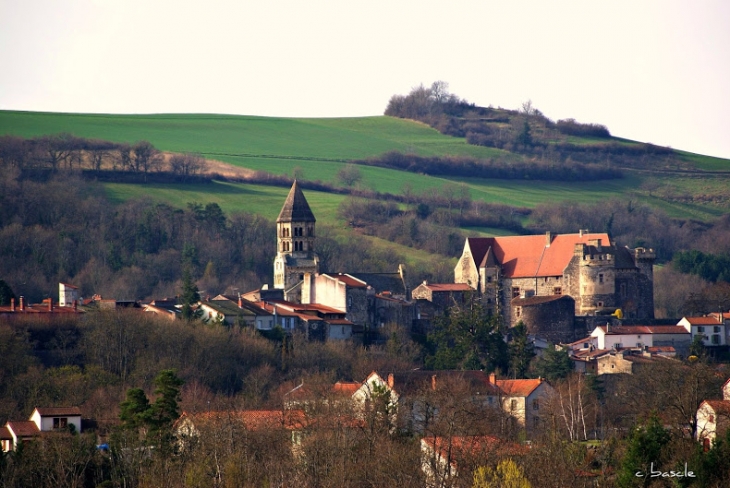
296,208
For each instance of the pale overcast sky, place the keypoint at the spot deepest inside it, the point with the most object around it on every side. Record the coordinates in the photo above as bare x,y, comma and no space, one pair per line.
653,71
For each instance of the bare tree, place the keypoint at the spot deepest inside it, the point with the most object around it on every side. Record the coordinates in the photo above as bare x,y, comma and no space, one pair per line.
349,175
187,164
146,157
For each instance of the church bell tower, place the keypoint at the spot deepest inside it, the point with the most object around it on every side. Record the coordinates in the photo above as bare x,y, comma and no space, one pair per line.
295,239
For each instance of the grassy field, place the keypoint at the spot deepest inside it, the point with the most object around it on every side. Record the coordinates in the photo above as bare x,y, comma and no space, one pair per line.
324,139
320,147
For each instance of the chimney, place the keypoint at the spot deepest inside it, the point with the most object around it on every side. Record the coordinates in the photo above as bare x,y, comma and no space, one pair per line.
493,378
433,382
548,238
580,232
50,304
391,381
608,327
12,304
22,304
240,302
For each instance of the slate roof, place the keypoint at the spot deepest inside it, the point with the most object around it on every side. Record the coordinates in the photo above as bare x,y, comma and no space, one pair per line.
382,282
529,256
539,300
296,208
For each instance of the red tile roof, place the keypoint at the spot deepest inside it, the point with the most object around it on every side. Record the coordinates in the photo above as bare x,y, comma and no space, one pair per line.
719,406
5,434
703,320
255,419
520,388
527,256
644,329
461,446
23,428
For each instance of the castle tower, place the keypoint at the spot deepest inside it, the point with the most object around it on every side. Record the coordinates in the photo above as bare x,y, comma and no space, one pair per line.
295,238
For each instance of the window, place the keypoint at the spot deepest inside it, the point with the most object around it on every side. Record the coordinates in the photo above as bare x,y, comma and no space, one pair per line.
712,418
557,290
515,292
600,278
536,404
716,339
349,302
60,423
489,279
518,311
716,329
700,329
513,405
536,421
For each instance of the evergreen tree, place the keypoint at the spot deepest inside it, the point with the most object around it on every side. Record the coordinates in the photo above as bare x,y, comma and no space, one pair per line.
134,412
646,446
189,295
6,293
553,364
466,338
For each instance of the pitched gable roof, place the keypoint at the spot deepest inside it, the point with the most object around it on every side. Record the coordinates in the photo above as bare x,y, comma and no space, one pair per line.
528,256
23,428
518,388
296,208
58,411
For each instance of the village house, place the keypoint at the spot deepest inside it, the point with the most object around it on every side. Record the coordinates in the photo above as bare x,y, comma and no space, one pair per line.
442,458
641,337
596,274
405,394
43,419
713,418
230,310
711,328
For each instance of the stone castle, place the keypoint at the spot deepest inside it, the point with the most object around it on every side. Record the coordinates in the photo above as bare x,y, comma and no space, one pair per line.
546,281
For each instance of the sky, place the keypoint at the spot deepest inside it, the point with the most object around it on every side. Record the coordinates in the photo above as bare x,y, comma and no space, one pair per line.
651,71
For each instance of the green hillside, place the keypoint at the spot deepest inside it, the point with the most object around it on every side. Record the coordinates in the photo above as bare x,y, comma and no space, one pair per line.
320,147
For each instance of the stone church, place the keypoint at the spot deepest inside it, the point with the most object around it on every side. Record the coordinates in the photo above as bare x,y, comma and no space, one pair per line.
295,238
548,280
368,299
